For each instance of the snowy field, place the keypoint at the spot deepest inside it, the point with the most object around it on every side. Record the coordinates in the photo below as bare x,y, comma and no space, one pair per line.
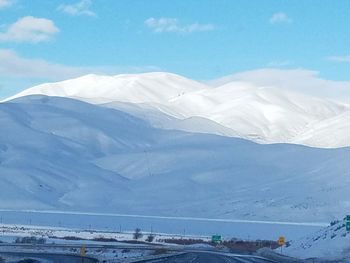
196,227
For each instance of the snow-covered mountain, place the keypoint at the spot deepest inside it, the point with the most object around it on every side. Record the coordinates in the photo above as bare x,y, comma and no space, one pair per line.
265,115
155,87
60,153
236,109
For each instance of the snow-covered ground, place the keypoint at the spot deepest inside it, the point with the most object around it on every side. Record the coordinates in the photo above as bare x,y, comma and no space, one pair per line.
67,241
331,243
78,236
178,227
106,246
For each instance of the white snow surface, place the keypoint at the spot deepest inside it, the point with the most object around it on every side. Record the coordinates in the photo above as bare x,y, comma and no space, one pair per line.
65,154
237,109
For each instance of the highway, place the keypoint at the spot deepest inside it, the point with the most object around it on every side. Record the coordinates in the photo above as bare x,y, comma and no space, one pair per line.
186,256
47,257
191,257
207,257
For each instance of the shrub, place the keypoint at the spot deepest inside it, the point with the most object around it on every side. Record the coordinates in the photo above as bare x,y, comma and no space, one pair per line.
150,238
30,240
334,222
160,251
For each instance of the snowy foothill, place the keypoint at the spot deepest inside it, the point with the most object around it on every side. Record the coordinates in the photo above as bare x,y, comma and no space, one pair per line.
64,154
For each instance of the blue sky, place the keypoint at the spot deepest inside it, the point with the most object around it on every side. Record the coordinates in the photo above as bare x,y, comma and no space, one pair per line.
207,39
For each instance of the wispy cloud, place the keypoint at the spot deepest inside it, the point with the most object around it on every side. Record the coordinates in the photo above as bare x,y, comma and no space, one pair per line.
29,29
299,80
6,3
345,58
13,65
77,9
279,63
280,17
172,25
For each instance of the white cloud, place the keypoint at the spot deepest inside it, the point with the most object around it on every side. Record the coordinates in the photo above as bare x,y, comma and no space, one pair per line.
6,3
29,29
339,58
172,25
279,63
77,9
13,65
280,17
299,80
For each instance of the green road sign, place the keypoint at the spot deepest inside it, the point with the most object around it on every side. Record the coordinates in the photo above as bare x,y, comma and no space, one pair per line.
216,238
347,223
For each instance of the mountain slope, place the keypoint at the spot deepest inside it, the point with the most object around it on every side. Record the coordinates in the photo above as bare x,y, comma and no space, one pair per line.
332,132
46,148
260,114
236,109
59,153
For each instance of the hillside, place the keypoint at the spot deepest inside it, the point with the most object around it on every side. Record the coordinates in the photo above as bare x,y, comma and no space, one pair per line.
331,243
59,153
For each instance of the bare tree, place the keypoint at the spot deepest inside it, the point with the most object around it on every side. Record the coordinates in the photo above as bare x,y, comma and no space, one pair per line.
138,234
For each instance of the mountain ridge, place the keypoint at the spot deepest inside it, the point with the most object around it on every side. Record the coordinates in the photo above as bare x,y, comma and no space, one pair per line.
260,114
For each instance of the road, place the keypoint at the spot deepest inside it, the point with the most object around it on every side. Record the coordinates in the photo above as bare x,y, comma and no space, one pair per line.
189,256
47,257
204,257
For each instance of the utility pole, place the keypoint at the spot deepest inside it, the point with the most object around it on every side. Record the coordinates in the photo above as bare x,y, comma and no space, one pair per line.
148,163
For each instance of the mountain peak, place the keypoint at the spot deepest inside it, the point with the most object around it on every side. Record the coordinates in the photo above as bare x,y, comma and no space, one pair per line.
135,88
